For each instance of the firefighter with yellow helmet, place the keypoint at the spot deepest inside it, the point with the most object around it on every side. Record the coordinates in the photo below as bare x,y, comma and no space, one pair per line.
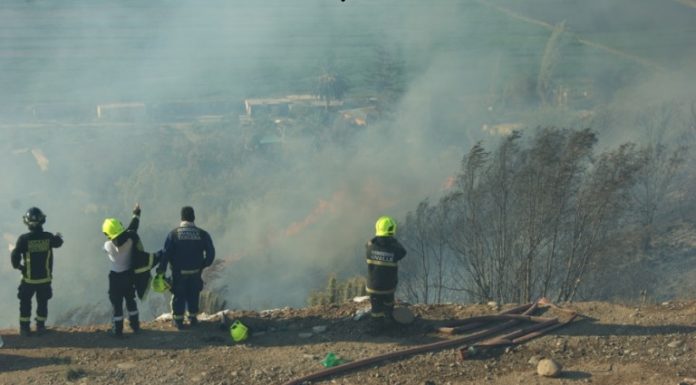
33,256
130,270
383,252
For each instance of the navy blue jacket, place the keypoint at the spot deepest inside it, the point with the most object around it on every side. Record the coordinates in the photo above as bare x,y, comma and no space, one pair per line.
188,249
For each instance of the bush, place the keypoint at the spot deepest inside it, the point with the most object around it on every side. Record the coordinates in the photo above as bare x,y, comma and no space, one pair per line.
337,292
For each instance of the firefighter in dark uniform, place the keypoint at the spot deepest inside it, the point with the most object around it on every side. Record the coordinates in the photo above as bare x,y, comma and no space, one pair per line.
187,250
130,270
33,256
383,252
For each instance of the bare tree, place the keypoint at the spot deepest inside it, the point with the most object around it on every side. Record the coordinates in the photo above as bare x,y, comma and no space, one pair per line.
529,218
601,203
425,271
662,162
549,180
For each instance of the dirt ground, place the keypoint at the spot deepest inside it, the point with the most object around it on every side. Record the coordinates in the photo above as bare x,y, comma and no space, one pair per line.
609,344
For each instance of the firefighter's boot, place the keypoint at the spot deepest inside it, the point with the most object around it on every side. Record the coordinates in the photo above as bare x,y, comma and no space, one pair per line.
117,329
40,327
178,324
134,323
24,329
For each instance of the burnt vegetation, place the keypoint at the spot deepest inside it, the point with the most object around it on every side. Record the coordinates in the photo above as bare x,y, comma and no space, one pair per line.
546,213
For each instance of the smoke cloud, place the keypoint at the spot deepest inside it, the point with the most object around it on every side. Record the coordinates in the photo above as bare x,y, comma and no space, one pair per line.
280,221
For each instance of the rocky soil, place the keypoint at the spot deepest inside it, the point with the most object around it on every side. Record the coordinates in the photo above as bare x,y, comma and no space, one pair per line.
609,344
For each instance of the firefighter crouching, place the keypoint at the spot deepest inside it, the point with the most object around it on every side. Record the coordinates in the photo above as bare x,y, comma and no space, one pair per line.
188,250
383,252
33,256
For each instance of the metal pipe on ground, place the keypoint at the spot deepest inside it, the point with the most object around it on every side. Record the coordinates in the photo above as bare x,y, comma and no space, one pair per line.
520,336
524,309
402,353
511,321
509,338
530,336
482,319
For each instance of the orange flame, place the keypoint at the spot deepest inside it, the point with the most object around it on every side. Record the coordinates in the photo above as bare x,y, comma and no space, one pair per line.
449,182
315,214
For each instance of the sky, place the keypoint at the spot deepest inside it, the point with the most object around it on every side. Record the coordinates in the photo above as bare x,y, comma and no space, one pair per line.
310,215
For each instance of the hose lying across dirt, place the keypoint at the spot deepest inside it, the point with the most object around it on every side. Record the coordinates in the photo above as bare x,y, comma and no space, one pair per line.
511,316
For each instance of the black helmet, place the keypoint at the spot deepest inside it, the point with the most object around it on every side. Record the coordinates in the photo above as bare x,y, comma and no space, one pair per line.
34,217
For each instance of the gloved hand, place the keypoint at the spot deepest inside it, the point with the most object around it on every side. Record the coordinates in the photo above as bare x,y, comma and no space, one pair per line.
59,235
136,210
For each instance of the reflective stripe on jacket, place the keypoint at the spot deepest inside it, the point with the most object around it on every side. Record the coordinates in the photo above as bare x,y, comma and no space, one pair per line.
382,257
35,252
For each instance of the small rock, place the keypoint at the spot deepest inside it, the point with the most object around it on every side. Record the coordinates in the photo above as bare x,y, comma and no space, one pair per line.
688,381
675,344
549,367
125,365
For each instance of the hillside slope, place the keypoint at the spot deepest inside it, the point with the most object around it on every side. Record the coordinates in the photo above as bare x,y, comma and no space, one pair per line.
609,344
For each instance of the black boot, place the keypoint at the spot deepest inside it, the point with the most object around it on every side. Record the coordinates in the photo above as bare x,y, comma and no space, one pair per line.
24,329
117,329
178,324
193,321
134,323
40,327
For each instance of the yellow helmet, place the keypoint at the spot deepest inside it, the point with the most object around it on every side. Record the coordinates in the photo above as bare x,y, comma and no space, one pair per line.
385,226
238,331
112,228
160,284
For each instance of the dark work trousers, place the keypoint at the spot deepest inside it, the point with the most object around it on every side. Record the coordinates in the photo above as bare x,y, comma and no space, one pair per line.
25,293
121,288
186,290
382,305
